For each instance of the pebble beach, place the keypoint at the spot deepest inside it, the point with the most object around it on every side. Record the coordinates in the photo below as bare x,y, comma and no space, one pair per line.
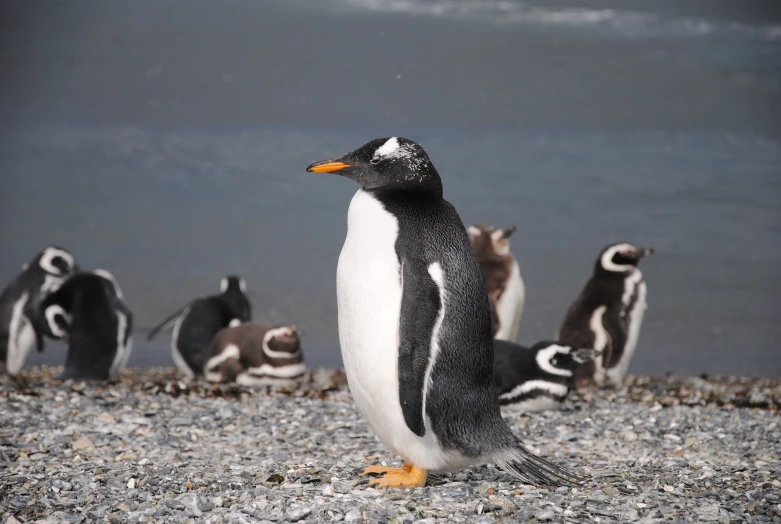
150,448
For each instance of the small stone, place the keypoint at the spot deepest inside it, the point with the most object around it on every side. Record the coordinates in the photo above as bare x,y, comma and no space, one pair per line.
180,421
106,418
298,513
691,441
217,502
23,458
610,491
340,486
174,504
12,520
37,456
82,443
131,483
352,515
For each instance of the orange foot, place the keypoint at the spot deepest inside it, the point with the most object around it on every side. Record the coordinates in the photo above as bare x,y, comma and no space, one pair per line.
408,476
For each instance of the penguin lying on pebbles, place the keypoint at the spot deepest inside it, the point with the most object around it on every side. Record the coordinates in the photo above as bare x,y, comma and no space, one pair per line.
536,378
20,324
90,313
256,355
506,291
415,323
195,325
608,313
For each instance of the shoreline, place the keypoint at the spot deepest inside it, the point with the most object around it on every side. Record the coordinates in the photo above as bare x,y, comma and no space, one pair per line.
148,447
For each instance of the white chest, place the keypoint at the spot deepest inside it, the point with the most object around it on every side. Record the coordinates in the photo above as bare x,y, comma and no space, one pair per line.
510,305
633,313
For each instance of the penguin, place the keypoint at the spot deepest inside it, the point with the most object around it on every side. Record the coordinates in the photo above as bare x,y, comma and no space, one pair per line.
415,323
536,378
90,314
253,354
20,325
608,314
506,290
195,325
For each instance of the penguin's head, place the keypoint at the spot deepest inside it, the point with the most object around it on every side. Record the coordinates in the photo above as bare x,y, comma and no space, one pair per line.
393,163
621,258
282,339
55,261
489,242
557,358
234,291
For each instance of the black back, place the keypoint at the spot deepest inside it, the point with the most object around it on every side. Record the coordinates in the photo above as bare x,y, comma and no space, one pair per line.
205,317
92,303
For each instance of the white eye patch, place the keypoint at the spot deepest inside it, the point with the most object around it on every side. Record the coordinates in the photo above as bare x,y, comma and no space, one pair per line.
388,148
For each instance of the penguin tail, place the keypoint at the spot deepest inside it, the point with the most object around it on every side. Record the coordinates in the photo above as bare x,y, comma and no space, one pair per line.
532,469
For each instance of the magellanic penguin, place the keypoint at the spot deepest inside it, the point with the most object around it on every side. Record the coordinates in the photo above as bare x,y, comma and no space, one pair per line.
537,378
415,323
506,291
89,312
253,354
608,313
20,324
195,325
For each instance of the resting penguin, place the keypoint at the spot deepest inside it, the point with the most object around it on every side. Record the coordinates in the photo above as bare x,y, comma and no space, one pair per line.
506,291
195,325
536,378
608,313
415,324
90,313
20,324
256,355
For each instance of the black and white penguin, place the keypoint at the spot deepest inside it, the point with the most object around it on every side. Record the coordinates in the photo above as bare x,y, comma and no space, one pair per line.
608,313
252,354
196,325
537,378
502,274
415,323
20,325
89,312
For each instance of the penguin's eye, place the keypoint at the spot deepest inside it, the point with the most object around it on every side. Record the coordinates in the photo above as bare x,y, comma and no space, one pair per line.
374,160
555,361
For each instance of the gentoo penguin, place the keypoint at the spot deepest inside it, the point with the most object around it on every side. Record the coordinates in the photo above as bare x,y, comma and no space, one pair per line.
506,291
415,324
608,314
253,354
90,313
20,325
195,325
536,378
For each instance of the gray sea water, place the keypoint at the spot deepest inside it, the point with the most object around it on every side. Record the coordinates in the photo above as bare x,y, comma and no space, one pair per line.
166,141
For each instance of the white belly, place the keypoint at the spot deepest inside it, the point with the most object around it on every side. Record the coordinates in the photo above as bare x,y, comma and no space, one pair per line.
178,359
21,337
123,350
531,405
617,373
510,305
368,287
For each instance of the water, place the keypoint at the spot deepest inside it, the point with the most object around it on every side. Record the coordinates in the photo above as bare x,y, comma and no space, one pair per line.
167,142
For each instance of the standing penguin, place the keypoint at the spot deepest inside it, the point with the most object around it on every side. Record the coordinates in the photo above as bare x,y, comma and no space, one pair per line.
256,355
90,313
195,325
415,324
537,378
608,313
506,291
20,324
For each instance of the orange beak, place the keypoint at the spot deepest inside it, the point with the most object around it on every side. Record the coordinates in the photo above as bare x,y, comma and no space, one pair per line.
326,166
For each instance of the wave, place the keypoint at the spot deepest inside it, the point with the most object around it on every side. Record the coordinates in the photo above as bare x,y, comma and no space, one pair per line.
620,22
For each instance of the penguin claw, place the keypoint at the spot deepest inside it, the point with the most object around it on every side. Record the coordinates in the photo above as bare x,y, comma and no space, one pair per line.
407,477
382,470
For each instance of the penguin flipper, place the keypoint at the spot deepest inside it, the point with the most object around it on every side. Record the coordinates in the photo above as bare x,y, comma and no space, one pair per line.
420,305
532,469
616,332
165,325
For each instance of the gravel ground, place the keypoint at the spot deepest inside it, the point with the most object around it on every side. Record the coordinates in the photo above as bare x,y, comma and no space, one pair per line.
150,449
